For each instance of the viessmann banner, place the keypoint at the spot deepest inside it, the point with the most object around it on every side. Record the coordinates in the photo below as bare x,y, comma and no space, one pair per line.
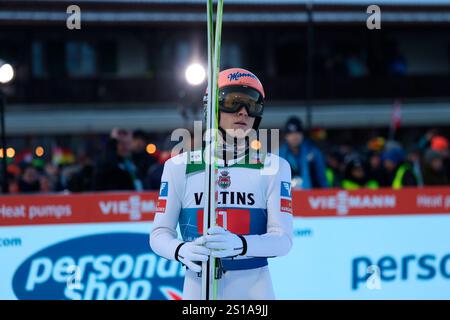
381,244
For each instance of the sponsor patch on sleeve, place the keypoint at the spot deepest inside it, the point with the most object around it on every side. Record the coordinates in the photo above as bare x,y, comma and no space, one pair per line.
285,189
162,199
164,189
286,206
285,197
161,206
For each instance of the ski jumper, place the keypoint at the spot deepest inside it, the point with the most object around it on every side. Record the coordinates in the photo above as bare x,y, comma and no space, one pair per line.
253,200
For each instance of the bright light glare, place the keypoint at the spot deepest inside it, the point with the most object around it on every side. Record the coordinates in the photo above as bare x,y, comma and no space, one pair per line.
151,148
39,151
256,144
195,74
10,152
6,73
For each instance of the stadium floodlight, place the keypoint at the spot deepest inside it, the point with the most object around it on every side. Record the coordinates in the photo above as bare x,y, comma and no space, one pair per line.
195,74
6,72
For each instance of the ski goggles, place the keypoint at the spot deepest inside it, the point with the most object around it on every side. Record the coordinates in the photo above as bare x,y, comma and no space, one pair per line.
233,98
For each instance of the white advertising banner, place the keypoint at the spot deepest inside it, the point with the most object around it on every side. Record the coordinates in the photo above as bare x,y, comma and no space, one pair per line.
85,261
371,244
399,257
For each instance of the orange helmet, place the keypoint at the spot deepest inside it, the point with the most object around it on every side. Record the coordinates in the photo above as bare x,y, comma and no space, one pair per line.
240,77
246,82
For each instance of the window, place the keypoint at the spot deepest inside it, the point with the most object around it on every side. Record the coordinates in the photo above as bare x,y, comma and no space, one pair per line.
81,59
231,56
38,67
107,57
54,58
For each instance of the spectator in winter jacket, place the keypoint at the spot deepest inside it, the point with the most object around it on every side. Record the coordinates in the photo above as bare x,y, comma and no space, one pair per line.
29,181
116,170
434,172
375,169
306,160
141,158
440,145
425,141
399,172
81,179
335,168
355,176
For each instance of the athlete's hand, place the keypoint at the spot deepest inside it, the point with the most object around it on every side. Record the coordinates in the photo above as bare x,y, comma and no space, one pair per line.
194,251
223,243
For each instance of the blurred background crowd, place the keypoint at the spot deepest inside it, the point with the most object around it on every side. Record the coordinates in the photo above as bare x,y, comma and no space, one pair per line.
127,160
371,106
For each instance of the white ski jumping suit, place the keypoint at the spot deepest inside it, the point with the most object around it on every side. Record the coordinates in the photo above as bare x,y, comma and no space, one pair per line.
250,203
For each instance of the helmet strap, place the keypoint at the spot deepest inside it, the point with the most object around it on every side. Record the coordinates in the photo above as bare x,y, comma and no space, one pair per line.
235,150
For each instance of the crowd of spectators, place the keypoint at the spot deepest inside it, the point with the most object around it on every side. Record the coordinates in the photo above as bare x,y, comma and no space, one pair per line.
126,163
123,164
380,163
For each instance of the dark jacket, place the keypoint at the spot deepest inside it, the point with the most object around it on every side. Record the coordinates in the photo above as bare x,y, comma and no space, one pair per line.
433,178
153,179
143,162
81,181
379,175
113,172
25,187
407,179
